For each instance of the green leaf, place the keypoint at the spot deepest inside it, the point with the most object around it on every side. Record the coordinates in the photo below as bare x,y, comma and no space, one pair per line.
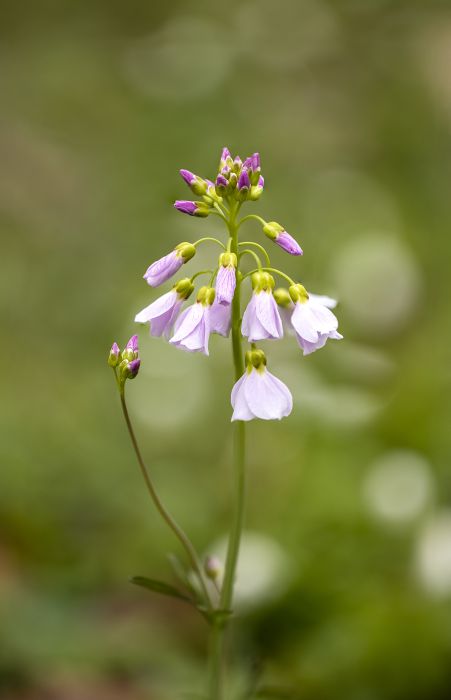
160,587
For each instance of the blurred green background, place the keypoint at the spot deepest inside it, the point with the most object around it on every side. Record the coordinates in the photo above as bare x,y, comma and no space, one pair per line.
345,582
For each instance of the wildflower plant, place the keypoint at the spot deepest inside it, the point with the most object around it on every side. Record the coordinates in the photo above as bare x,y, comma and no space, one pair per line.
257,393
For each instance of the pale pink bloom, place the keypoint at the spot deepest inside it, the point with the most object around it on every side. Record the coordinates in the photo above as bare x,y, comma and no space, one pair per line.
161,314
259,394
261,319
220,318
192,329
314,323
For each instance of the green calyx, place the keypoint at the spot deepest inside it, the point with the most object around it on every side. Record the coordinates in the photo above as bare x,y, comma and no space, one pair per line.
262,282
282,297
272,229
186,251
255,193
184,288
206,296
228,260
255,359
298,293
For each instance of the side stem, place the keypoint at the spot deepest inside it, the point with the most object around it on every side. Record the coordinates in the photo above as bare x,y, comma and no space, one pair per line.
176,529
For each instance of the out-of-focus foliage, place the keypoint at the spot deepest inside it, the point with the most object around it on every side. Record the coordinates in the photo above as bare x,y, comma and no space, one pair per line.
345,591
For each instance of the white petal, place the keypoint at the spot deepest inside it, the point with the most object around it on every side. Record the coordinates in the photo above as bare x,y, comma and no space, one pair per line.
324,300
325,320
157,308
268,314
239,403
284,390
304,322
190,321
265,398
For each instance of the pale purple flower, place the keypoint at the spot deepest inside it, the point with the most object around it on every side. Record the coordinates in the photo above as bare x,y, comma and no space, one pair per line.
259,394
161,270
314,323
285,241
161,314
261,319
220,318
225,284
192,329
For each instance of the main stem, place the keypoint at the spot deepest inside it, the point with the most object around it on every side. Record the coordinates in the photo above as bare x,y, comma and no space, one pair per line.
226,599
167,517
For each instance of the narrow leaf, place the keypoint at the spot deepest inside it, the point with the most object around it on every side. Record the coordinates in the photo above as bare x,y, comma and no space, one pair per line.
160,587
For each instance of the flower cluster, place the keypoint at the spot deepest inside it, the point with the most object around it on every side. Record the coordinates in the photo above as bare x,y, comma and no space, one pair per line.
257,393
126,363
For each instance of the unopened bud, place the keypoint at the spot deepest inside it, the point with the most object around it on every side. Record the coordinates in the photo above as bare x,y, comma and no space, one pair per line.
272,229
196,183
282,297
213,568
113,358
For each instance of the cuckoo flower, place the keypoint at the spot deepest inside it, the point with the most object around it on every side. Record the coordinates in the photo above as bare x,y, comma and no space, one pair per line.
226,278
312,320
161,270
258,393
192,329
162,313
282,238
220,318
261,320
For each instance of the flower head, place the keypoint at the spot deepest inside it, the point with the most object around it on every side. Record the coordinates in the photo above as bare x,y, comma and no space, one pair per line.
192,329
163,269
130,362
282,238
313,322
261,319
258,393
226,278
162,313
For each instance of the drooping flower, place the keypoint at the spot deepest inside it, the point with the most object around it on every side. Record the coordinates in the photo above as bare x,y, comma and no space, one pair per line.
192,208
258,393
162,313
220,318
226,278
192,328
313,321
261,319
276,233
163,269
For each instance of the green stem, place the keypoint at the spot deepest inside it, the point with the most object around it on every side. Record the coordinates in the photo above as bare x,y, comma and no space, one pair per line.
270,269
176,529
260,248
247,251
213,240
226,598
249,217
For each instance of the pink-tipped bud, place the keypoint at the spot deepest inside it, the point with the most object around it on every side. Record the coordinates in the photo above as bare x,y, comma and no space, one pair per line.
113,358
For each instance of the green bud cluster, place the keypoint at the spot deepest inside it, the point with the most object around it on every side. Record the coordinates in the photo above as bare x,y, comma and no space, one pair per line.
228,260
262,281
255,358
206,296
298,293
184,288
185,250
